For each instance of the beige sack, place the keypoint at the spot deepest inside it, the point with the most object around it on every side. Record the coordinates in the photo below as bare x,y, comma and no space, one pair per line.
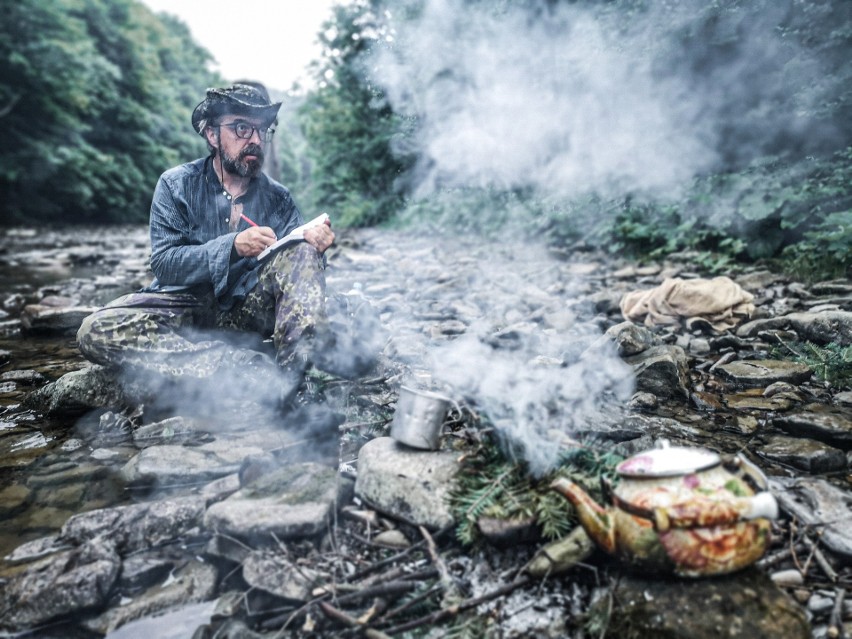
719,301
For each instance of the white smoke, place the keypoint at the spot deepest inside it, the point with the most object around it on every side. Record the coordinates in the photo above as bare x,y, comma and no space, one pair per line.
564,103
535,400
570,99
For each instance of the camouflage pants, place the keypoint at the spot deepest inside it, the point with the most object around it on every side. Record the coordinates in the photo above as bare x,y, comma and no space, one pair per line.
181,334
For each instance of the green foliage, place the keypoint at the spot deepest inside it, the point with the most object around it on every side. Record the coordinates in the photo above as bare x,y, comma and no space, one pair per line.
798,211
95,98
831,363
350,129
493,484
824,251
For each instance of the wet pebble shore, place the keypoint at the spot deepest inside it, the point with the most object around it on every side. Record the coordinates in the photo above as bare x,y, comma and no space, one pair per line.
110,512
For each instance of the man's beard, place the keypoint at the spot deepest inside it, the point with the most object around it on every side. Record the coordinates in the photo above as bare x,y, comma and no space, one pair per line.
240,166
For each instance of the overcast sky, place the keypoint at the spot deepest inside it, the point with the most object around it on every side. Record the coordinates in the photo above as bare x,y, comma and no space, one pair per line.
270,41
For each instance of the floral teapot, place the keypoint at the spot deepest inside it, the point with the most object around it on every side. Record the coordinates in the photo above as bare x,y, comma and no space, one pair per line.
686,511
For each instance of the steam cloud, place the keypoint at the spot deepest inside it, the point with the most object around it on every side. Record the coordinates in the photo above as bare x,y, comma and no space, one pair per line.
568,100
533,400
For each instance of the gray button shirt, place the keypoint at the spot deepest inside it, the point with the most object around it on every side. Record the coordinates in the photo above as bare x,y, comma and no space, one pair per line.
191,245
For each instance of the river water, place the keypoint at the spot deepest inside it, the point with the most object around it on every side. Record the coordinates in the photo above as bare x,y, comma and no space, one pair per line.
46,472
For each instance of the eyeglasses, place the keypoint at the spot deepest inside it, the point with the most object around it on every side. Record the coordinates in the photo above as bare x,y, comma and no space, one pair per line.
245,131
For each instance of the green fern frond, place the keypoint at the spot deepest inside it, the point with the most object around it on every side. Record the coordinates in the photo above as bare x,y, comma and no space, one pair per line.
494,485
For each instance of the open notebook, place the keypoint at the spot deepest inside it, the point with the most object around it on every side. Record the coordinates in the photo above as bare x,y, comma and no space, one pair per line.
296,235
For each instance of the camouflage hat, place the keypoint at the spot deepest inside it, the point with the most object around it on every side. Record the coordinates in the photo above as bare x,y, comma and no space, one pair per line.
239,99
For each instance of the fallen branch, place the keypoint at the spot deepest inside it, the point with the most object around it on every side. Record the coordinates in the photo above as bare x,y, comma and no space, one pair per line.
821,559
777,557
390,588
835,621
338,615
437,560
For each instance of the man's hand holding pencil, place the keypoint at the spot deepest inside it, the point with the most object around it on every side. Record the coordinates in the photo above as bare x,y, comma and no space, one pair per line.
254,240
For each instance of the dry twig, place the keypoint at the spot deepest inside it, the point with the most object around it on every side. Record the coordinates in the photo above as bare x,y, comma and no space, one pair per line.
338,615
446,613
835,621
821,559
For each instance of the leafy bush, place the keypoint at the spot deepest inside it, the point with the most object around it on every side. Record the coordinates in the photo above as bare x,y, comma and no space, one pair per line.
95,97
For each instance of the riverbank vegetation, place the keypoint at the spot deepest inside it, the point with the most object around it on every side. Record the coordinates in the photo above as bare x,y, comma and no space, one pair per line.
720,131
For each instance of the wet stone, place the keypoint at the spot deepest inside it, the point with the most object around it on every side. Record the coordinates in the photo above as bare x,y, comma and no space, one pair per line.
140,571
295,501
12,498
35,549
59,585
194,582
169,465
757,280
745,401
67,496
70,445
699,346
706,401
137,526
83,472
43,518
630,338
112,454
825,423
77,392
764,372
174,430
804,454
41,319
27,378
826,327
661,370
275,574
228,548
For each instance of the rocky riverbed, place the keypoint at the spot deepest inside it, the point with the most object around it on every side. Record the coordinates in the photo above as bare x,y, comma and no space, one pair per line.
125,517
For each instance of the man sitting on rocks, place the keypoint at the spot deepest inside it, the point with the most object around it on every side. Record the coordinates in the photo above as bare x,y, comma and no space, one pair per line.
210,219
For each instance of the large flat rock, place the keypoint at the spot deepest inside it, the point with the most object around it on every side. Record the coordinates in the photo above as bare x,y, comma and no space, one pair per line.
296,500
829,424
763,372
136,526
411,485
825,327
169,465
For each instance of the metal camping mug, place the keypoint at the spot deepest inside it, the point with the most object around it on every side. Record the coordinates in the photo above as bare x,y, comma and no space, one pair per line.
418,418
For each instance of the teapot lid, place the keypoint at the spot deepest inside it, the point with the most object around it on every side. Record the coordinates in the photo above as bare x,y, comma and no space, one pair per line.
668,462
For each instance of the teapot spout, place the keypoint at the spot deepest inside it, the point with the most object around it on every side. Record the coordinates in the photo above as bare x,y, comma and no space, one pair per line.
596,520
